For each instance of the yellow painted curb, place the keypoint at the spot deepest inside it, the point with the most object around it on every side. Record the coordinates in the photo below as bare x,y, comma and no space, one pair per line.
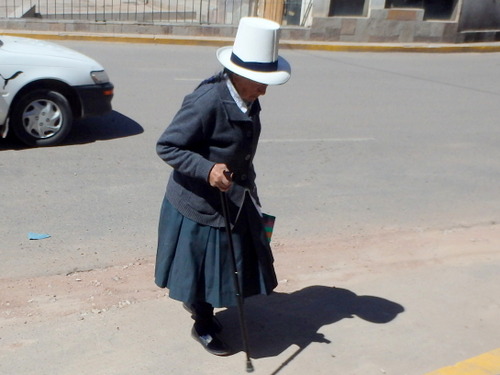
127,38
299,45
484,364
429,48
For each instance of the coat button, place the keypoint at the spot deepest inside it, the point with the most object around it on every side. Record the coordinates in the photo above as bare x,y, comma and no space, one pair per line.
243,177
247,157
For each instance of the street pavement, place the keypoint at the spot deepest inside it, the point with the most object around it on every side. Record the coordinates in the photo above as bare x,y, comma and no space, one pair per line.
382,168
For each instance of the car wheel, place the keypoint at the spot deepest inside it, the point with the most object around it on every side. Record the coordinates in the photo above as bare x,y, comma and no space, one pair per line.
42,118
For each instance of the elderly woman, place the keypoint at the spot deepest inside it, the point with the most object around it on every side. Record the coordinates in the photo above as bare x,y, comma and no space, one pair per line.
210,144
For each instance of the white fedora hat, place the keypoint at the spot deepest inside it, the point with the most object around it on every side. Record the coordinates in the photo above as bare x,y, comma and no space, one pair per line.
254,54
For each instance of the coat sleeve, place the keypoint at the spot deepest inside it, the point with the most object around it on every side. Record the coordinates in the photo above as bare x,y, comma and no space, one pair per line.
182,145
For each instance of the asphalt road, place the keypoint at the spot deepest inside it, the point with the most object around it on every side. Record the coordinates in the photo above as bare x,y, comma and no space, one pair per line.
354,143
355,146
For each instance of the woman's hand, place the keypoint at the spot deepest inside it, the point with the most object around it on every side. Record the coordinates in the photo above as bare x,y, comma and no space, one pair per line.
220,177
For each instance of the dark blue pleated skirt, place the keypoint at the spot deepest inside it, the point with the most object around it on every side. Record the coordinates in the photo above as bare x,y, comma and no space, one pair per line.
193,260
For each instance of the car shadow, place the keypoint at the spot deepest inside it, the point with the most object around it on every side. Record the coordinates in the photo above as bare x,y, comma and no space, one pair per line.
278,321
110,126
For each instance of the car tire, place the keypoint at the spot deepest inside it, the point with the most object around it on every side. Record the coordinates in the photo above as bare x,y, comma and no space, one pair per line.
42,118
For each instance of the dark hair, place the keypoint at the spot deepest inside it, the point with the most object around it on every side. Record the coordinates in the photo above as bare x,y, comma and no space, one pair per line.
216,77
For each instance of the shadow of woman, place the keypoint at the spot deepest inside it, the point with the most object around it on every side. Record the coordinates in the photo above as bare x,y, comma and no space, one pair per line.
110,126
280,320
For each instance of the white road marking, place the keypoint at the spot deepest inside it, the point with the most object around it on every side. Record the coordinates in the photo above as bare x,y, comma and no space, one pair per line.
189,79
290,140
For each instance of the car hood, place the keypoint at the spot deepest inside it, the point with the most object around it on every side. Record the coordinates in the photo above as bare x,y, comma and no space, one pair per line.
43,50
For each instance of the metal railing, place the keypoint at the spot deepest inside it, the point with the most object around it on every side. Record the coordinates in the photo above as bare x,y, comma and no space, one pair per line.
224,12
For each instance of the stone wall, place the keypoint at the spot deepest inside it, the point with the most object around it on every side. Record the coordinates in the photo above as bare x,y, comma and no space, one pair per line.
390,26
471,21
384,26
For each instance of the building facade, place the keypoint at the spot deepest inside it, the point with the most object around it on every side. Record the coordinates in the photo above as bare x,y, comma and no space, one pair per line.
359,21
405,21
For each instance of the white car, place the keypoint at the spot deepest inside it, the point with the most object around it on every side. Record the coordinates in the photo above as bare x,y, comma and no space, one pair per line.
44,87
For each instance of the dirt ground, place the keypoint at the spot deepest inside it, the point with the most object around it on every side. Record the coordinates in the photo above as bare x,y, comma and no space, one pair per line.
30,300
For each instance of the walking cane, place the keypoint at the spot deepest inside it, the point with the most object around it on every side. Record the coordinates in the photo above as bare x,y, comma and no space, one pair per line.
236,281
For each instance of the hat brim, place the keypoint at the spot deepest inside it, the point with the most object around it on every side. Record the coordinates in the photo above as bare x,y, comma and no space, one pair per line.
277,77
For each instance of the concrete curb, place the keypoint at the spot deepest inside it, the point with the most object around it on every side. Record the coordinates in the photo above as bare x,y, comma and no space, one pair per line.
285,44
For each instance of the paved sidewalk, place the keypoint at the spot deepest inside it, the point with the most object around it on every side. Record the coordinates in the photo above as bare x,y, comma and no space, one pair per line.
399,322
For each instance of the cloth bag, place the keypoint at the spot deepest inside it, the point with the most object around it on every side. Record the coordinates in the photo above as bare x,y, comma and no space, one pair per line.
268,221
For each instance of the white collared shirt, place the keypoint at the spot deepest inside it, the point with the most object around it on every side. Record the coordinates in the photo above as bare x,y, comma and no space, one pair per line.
237,98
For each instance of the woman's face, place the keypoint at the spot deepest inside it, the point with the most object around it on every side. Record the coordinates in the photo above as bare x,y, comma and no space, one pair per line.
249,90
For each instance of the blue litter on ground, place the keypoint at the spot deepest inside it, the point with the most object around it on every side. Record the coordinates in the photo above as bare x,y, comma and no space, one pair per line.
37,236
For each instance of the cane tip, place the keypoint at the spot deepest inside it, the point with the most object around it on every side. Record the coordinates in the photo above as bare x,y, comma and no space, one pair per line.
249,367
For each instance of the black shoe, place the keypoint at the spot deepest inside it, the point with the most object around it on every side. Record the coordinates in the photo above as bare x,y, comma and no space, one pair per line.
214,324
210,341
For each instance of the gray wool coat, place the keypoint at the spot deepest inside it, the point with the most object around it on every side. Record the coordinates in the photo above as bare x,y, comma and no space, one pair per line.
209,128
